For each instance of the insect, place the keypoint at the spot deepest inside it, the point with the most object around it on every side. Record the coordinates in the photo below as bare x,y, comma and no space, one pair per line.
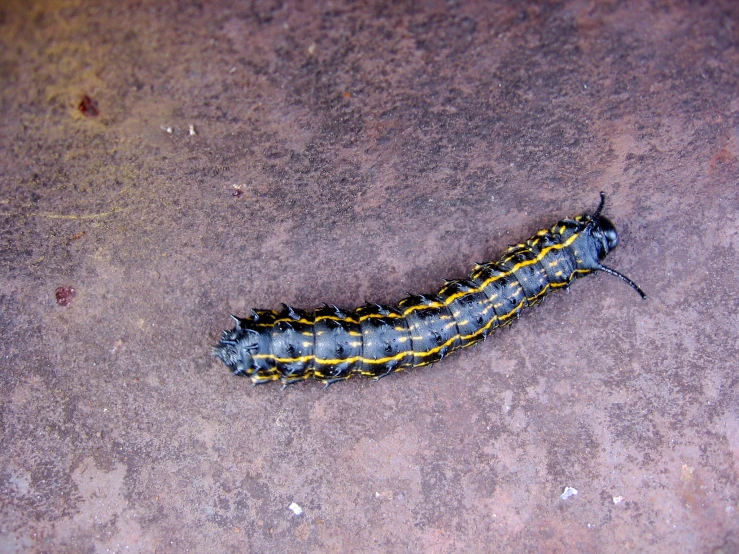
331,345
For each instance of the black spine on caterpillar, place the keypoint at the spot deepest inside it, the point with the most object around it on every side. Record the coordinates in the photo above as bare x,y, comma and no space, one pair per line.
332,345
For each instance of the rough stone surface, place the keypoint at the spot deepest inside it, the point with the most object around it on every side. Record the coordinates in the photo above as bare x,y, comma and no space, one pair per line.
354,152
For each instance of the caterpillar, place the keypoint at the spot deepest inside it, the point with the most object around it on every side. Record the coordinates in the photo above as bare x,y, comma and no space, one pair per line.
331,345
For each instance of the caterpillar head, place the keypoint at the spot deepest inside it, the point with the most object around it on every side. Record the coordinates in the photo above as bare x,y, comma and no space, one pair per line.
607,230
606,239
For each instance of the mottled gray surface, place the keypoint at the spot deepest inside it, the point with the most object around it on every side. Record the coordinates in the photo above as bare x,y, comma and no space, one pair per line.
350,153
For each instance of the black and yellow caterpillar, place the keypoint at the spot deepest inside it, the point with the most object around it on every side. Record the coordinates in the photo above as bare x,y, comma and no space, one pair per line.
331,345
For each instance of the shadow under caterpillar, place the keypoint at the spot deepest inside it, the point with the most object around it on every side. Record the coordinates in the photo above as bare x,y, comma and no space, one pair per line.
331,345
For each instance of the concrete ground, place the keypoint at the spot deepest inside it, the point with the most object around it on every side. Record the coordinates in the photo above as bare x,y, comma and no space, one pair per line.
166,163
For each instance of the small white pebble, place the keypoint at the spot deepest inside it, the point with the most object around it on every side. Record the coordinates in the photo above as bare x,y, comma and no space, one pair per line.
618,499
297,510
192,131
569,491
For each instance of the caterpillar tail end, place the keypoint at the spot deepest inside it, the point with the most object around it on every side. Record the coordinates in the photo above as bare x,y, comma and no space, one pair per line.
229,355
